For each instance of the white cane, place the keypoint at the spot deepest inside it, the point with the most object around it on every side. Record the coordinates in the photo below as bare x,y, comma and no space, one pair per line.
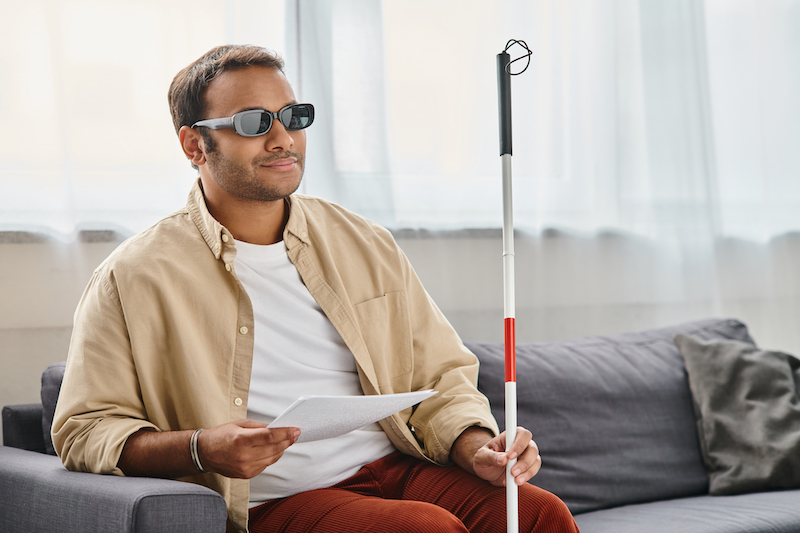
504,100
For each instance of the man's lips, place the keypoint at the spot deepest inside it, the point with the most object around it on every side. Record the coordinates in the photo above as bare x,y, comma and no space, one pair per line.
287,163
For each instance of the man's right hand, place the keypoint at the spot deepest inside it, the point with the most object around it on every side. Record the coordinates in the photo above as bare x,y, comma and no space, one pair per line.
243,449
240,449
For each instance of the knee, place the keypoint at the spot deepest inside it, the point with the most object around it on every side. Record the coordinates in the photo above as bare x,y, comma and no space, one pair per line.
431,518
544,512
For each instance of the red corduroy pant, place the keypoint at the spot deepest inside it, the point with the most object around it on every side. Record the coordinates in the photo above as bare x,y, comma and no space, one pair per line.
401,493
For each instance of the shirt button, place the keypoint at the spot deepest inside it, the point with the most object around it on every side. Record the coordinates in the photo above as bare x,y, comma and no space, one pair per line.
224,238
237,402
243,330
228,267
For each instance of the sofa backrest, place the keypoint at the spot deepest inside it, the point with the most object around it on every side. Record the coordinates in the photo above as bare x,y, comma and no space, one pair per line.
612,415
51,385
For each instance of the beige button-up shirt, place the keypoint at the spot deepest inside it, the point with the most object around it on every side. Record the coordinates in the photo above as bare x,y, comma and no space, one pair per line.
163,338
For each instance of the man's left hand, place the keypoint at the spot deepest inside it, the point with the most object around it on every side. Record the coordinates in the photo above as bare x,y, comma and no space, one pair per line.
476,452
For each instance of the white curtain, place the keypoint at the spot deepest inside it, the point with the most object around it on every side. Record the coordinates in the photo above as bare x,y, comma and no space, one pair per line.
655,158
87,142
652,117
656,142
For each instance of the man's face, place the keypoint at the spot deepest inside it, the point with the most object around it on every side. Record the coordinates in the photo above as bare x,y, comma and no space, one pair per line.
264,168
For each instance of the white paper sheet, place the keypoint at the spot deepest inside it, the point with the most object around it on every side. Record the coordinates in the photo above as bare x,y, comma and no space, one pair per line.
323,417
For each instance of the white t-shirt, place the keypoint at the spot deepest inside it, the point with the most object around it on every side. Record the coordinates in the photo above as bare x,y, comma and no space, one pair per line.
298,352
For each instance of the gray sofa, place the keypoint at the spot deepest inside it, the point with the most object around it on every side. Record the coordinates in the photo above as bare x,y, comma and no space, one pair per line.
616,426
613,417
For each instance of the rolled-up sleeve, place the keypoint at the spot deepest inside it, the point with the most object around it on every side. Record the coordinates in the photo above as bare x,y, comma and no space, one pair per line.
100,402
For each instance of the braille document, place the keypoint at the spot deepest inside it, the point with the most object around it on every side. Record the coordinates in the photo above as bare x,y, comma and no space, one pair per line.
324,417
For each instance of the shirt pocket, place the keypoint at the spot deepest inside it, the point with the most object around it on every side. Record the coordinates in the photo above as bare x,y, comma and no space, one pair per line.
386,331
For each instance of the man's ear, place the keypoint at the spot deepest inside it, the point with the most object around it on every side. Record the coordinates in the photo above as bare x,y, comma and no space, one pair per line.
193,145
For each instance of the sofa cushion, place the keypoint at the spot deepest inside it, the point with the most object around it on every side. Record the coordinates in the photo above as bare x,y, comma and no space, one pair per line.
763,512
612,415
51,385
748,415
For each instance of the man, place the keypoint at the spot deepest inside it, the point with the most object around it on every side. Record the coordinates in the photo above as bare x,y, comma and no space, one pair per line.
223,313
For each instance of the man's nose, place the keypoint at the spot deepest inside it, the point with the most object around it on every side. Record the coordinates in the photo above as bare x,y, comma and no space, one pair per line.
277,138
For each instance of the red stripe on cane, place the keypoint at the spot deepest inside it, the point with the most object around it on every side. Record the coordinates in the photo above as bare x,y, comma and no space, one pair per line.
511,351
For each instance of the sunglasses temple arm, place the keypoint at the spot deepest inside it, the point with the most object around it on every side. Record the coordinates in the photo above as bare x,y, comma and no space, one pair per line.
217,123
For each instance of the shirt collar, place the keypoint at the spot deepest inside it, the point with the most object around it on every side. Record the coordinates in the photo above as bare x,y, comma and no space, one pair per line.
216,235
297,225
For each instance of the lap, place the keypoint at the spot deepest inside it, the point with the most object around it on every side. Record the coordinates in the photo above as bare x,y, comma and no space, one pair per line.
340,510
401,493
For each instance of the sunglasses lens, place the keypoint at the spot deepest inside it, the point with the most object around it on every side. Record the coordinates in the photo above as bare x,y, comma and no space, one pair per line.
297,117
255,123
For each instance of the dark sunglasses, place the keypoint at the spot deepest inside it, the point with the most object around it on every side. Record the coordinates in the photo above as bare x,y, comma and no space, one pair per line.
257,122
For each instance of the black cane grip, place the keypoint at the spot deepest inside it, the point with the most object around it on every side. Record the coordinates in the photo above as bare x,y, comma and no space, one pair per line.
504,102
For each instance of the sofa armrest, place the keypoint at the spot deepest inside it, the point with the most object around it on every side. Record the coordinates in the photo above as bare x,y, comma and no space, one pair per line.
22,427
37,494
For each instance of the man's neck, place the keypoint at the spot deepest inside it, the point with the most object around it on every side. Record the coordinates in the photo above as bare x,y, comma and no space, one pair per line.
250,221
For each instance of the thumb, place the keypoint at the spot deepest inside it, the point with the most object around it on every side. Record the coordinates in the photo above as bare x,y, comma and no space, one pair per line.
248,423
488,457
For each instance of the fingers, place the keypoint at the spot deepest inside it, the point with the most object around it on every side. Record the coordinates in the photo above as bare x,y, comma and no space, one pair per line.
490,460
277,433
529,461
527,465
521,442
490,465
269,436
497,445
241,436
243,449
526,452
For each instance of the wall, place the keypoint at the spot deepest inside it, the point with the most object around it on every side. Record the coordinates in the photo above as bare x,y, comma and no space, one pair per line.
41,283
